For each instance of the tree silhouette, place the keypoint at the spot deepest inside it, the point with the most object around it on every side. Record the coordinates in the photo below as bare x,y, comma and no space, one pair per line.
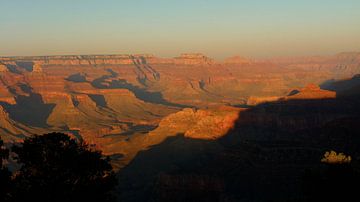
4,172
56,167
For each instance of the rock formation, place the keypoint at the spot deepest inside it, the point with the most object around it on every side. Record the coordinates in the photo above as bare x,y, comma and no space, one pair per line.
37,67
3,68
312,91
193,59
259,100
107,99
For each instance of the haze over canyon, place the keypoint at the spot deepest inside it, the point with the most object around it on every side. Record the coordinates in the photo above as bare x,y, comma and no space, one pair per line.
111,99
141,110
249,101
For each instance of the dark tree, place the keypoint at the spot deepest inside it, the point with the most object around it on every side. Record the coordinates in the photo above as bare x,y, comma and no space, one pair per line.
4,172
56,167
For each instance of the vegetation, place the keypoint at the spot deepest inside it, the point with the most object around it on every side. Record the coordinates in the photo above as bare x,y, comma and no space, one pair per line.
337,179
334,158
55,167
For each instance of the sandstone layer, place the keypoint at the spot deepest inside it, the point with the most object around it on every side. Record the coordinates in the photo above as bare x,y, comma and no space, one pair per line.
110,99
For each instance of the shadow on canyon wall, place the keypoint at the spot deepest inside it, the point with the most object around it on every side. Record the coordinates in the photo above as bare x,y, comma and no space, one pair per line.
111,81
77,78
28,66
20,67
13,69
140,93
29,109
344,87
267,156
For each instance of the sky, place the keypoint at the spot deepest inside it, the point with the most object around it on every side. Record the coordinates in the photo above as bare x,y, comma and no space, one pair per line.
218,28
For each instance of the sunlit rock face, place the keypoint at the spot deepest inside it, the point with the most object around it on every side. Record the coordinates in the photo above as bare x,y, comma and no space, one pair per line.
252,101
3,68
207,124
311,91
193,59
124,102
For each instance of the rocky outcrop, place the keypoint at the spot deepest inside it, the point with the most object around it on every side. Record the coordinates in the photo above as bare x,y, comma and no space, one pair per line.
5,95
112,95
125,59
12,131
37,68
3,68
193,59
208,124
252,100
312,92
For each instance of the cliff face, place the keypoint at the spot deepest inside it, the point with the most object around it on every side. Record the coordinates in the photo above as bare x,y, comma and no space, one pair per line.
208,124
3,68
189,113
106,98
266,149
310,91
185,59
193,59
5,95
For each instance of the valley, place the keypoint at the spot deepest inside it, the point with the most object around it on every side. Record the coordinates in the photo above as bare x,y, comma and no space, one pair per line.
166,120
100,96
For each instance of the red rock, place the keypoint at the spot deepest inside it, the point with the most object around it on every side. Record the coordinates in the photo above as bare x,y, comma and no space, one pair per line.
3,68
123,82
312,91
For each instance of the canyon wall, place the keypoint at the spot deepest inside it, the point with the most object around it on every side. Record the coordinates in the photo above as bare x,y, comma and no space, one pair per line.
106,99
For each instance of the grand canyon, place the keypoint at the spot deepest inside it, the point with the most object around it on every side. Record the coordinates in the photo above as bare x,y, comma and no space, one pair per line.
179,101
109,99
190,119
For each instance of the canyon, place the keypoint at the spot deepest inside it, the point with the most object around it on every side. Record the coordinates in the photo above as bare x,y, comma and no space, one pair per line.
190,120
105,99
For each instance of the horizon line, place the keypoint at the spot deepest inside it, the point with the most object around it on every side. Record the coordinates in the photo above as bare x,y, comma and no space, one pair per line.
179,54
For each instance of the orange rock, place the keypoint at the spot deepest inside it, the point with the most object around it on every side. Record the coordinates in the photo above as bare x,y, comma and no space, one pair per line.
124,90
3,68
312,91
200,124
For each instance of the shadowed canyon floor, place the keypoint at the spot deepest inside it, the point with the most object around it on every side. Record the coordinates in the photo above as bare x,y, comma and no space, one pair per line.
190,123
264,156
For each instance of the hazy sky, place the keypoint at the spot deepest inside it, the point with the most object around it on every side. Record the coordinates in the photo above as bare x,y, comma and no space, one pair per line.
218,28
